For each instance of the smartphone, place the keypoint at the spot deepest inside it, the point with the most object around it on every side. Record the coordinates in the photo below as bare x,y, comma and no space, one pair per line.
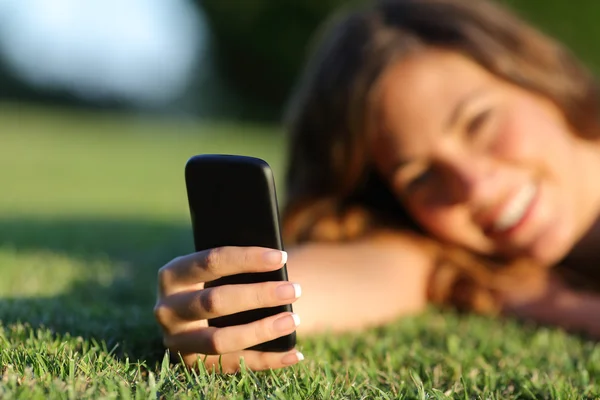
233,202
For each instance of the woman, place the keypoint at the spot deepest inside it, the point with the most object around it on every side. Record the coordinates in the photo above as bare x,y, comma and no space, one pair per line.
441,151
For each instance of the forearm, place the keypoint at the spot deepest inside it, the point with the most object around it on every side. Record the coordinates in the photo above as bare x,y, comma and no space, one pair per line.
354,286
558,305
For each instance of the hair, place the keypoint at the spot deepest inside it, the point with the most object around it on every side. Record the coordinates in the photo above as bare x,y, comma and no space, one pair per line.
333,191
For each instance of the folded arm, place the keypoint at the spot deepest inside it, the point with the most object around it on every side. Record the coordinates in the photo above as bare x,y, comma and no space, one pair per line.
351,286
374,281
555,303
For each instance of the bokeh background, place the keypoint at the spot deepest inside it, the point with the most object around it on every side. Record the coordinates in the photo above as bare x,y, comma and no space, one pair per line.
192,59
101,104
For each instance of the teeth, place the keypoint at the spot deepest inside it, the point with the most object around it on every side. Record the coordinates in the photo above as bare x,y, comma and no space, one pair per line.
516,208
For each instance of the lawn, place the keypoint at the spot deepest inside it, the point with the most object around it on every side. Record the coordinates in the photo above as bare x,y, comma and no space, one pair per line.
92,205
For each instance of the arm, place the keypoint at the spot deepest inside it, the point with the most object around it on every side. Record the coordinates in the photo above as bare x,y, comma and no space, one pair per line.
554,303
350,286
345,286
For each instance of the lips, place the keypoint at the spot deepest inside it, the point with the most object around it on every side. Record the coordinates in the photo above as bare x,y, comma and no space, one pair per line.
511,213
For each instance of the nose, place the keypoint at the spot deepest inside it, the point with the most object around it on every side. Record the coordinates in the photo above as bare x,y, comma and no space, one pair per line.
465,180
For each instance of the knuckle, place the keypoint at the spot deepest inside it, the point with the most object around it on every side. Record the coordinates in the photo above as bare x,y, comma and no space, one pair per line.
214,260
162,314
217,344
247,259
262,296
210,300
164,275
263,361
263,331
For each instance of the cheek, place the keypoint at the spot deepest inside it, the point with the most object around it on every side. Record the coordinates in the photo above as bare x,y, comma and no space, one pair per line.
524,129
518,137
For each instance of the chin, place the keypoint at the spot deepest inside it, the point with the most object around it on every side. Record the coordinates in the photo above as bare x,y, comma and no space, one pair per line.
550,249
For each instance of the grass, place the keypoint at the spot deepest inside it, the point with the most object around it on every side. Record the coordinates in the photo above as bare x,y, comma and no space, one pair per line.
91,206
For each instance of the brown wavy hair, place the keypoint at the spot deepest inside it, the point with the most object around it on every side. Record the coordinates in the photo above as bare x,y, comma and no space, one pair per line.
333,192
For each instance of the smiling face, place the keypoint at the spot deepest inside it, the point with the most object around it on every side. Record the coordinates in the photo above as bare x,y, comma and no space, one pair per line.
482,163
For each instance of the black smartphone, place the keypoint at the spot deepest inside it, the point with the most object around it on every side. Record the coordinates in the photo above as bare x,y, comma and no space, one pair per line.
233,202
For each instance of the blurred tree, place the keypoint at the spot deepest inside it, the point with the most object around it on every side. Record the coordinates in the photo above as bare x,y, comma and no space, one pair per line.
257,48
573,23
260,45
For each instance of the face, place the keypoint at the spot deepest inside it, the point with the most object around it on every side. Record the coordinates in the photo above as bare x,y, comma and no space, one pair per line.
479,162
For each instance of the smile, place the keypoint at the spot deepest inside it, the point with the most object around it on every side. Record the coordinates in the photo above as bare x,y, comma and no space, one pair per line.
516,208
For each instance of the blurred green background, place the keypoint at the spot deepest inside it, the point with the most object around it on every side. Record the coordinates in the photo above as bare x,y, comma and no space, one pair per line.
103,101
217,59
101,104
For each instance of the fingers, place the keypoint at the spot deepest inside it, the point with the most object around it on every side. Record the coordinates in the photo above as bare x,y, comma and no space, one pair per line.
212,341
229,299
208,265
183,307
253,360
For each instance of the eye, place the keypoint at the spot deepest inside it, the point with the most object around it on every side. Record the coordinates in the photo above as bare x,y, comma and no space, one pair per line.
418,180
479,122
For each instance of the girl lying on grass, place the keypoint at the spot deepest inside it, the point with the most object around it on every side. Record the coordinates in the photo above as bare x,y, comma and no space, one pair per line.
441,151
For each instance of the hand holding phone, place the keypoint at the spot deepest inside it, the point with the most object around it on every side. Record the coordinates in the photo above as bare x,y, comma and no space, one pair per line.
231,297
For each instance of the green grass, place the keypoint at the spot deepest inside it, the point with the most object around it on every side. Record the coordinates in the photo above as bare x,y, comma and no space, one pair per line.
90,208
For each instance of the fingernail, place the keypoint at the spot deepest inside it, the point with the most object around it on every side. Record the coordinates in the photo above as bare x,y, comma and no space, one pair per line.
275,257
292,358
287,323
288,291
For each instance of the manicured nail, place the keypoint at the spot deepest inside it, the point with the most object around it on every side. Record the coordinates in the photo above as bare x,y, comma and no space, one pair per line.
288,291
296,319
292,358
275,257
287,323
